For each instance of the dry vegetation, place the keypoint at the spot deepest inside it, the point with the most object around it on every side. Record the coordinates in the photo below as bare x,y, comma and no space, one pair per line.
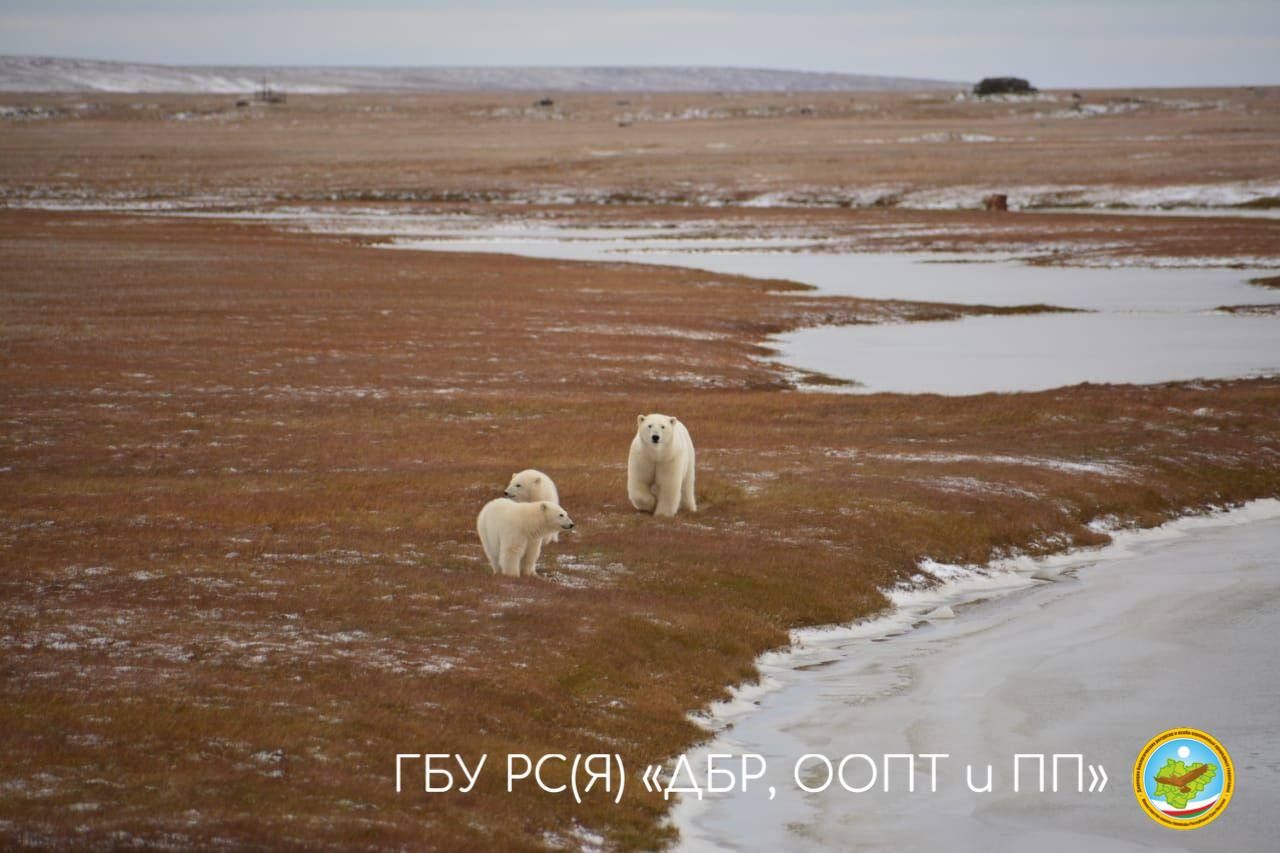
442,147
240,472
239,467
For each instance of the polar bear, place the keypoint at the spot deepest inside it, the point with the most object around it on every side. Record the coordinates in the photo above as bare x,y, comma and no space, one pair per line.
512,533
533,485
660,467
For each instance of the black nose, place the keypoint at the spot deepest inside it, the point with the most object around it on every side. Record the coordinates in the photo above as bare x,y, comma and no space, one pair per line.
571,525
656,439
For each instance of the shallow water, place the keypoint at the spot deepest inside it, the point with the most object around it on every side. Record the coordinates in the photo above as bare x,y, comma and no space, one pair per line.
1145,326
1035,352
1172,628
927,277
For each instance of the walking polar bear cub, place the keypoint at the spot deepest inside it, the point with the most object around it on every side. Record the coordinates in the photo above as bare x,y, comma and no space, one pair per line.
512,533
532,485
660,467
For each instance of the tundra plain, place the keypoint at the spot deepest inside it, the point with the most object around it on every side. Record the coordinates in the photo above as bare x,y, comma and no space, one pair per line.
241,462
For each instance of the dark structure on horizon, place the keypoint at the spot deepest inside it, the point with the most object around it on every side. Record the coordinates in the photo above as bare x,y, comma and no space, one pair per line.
1003,86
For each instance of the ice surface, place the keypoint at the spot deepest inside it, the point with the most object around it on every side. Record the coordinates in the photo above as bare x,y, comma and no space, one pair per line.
1035,352
1087,664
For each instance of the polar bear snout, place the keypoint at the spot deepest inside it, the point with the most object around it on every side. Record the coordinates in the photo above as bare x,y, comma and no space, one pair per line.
655,438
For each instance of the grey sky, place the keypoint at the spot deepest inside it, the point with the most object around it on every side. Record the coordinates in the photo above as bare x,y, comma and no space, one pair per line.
1057,44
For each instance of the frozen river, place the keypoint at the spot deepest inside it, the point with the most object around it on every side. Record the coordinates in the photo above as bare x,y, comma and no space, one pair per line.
1170,627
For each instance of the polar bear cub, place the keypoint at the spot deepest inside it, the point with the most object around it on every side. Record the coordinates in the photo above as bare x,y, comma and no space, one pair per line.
533,485
660,467
512,533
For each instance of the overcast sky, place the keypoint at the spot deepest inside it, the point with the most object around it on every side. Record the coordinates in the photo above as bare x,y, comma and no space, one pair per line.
1055,44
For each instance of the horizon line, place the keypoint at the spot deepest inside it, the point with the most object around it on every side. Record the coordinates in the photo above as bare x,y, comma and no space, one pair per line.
658,66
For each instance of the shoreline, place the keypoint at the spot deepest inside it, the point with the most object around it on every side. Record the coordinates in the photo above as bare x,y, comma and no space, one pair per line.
960,586
979,592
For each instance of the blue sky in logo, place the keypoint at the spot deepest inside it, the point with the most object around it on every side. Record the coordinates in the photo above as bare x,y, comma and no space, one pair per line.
1198,753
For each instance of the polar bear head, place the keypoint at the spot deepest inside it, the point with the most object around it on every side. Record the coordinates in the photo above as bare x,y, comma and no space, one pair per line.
527,485
656,432
555,516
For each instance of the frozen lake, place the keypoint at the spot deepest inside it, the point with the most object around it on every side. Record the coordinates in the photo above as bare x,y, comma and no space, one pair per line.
1144,325
1095,663
975,355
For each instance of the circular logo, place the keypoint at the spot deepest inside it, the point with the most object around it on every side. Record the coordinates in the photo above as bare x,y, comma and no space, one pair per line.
1183,778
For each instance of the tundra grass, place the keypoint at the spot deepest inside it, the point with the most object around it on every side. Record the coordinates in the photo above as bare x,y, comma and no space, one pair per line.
239,474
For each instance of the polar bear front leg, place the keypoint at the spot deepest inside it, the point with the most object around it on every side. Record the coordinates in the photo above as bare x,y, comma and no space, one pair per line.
529,565
688,500
669,489
640,486
642,499
510,558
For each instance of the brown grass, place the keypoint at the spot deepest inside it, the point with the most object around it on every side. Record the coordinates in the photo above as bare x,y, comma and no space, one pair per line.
240,474
428,147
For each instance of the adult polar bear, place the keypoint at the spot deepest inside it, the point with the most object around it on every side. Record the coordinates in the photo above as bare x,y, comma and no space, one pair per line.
511,533
660,467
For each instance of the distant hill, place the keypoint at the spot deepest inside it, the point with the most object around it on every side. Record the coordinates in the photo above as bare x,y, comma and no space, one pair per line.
46,74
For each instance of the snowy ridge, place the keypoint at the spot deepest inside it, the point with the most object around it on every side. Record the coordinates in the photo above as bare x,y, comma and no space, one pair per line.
47,74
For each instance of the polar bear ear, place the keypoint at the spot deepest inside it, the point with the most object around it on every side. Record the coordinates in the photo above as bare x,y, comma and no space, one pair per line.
673,421
546,507
537,480
639,419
